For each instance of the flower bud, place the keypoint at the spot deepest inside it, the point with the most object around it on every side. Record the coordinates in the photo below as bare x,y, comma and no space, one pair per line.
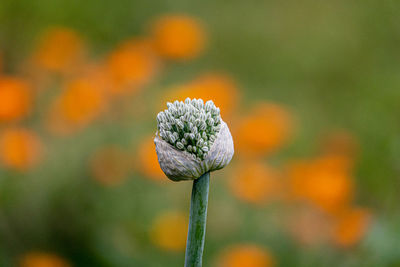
195,154
179,145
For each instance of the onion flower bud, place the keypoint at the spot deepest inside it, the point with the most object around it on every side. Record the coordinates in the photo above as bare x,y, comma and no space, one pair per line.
192,139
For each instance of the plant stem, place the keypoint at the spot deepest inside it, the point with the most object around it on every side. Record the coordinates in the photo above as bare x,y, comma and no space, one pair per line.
197,221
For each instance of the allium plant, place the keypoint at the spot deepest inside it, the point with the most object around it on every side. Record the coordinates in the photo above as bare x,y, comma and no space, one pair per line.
192,140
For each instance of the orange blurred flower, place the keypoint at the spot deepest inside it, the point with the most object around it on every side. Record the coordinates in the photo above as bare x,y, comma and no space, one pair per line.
15,98
351,227
42,259
148,160
96,73
341,143
1,62
245,255
255,182
20,148
178,37
325,182
130,66
309,226
81,102
169,230
220,88
265,128
60,50
109,165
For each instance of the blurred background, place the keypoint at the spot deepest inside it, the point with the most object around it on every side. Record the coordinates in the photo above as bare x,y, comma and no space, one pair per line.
310,91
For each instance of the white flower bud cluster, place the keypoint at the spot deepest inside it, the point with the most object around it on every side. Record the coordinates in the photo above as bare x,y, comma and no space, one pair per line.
190,126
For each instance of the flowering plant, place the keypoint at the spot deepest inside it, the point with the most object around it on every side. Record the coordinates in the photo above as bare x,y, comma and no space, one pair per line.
192,140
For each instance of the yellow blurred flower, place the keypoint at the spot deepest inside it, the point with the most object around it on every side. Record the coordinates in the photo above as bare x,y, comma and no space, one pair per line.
42,259
168,231
80,103
255,182
130,66
263,130
109,165
148,161
351,227
218,87
20,148
245,255
325,182
15,98
60,50
178,36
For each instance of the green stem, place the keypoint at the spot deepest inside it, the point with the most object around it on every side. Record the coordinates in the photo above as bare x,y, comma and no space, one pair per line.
197,221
